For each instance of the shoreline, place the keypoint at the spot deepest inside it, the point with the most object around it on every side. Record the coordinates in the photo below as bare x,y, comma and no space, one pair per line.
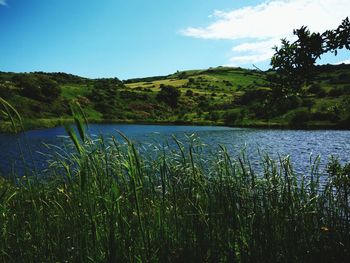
37,124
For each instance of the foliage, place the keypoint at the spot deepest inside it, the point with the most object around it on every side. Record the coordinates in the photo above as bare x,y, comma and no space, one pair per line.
231,117
169,95
189,93
315,88
253,95
325,116
214,116
234,89
294,62
336,92
340,176
299,118
105,96
5,91
37,86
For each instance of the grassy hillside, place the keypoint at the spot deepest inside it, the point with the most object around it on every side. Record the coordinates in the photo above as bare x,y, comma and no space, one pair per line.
220,96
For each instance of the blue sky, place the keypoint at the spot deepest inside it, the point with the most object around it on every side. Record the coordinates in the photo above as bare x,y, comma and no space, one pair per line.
136,38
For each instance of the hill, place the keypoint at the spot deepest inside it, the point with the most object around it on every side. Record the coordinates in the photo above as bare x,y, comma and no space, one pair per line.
218,96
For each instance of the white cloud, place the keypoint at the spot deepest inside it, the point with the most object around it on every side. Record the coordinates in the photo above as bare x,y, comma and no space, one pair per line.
347,61
262,26
237,60
255,45
254,52
3,2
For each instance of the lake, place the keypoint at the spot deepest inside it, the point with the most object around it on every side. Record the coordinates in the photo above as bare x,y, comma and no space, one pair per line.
299,144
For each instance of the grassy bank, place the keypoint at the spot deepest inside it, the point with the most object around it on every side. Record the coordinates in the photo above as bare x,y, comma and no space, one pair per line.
108,202
231,96
31,124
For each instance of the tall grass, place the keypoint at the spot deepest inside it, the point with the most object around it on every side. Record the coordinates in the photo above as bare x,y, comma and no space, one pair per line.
109,202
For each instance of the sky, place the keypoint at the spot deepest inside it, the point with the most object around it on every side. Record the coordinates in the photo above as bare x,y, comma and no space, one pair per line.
138,38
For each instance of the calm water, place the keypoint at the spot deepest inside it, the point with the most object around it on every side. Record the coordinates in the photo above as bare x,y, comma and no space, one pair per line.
298,144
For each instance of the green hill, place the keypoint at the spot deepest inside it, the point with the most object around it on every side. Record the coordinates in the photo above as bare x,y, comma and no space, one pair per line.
218,96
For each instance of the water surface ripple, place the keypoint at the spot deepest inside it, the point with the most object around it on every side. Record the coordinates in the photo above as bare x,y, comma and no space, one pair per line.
298,144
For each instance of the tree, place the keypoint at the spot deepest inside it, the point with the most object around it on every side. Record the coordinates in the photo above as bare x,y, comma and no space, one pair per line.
49,89
169,95
37,86
189,93
294,62
105,96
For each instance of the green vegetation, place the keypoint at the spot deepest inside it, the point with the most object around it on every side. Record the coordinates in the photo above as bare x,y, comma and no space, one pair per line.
107,202
294,62
169,95
220,96
294,93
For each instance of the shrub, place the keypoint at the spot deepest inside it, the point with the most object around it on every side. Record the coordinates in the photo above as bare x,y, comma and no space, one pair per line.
5,92
169,94
346,89
345,123
189,93
307,103
260,110
322,93
336,92
38,87
214,116
231,117
299,118
253,95
315,88
325,116
291,102
344,77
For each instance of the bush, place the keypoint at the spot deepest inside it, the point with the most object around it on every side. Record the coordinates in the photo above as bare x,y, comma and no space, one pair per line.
307,103
336,92
325,116
289,103
345,123
262,110
189,93
130,95
5,92
253,95
231,117
322,93
299,118
169,94
344,77
346,89
214,116
315,88
37,86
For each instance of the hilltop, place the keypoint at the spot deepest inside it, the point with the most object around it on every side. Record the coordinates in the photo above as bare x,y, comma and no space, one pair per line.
214,96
